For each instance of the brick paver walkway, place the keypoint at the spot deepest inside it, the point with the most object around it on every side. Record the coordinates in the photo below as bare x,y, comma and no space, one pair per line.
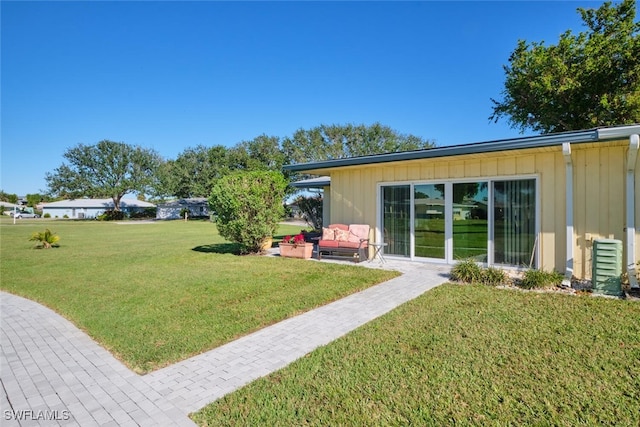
54,374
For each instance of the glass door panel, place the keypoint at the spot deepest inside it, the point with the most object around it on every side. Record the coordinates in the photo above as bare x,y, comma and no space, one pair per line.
470,221
396,219
429,220
514,221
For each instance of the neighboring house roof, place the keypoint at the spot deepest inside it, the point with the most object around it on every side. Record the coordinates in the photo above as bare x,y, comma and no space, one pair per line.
9,205
574,137
98,203
185,202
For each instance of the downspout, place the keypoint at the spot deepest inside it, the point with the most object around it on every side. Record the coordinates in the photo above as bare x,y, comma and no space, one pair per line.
566,153
632,155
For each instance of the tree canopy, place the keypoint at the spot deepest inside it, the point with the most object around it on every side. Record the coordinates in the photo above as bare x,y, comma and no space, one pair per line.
112,169
196,170
193,173
106,169
587,80
327,142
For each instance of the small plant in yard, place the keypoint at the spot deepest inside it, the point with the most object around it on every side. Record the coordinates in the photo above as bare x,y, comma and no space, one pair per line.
534,279
466,271
494,276
46,239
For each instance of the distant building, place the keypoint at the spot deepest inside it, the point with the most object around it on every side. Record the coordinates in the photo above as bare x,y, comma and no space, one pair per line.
198,208
91,208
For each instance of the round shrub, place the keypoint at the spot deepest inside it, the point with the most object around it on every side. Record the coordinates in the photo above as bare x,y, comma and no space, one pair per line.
248,207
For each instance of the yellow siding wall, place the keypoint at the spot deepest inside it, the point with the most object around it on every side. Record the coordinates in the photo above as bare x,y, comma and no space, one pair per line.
598,192
599,200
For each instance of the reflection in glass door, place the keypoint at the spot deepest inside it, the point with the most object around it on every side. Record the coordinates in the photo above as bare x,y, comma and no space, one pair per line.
515,221
396,219
470,221
429,220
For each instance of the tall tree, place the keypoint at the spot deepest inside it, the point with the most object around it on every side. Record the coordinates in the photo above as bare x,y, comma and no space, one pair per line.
6,197
587,80
328,142
106,169
193,173
261,153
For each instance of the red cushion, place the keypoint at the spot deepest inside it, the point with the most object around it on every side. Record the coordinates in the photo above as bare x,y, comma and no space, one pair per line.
328,243
348,244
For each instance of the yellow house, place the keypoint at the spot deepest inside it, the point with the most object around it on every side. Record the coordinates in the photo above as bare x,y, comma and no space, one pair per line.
529,202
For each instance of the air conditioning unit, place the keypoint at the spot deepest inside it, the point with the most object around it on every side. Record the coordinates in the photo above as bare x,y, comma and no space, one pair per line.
607,267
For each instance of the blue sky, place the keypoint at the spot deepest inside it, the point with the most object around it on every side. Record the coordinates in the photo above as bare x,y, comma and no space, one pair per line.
173,75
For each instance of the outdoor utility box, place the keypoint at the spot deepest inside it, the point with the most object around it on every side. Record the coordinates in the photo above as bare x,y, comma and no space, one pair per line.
607,267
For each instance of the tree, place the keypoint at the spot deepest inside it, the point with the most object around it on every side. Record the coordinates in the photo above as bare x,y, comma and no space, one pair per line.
336,142
6,197
193,173
587,80
311,208
247,206
261,153
106,169
34,199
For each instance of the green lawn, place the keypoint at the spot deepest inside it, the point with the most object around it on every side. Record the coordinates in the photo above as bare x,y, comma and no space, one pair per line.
156,293
461,355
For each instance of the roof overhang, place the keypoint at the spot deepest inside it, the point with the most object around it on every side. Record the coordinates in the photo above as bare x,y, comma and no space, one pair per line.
574,137
319,182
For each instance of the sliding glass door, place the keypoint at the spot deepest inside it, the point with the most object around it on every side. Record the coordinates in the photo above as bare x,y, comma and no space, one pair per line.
470,221
514,204
492,221
429,220
396,219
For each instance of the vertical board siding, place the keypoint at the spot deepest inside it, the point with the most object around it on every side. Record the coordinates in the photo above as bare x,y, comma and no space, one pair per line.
599,181
551,225
599,200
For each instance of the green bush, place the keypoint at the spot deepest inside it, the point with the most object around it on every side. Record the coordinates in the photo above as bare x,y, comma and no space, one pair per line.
65,216
248,207
111,216
533,279
466,271
494,276
146,213
47,215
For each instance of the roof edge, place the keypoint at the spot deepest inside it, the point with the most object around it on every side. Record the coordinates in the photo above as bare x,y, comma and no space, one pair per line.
538,141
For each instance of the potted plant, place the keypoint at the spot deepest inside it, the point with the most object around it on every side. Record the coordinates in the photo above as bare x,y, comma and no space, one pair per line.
295,247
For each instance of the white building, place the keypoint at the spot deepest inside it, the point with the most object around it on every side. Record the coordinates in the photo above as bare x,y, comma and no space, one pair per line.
91,208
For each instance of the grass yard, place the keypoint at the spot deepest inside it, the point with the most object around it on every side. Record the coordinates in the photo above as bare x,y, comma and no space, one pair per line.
155,293
461,355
